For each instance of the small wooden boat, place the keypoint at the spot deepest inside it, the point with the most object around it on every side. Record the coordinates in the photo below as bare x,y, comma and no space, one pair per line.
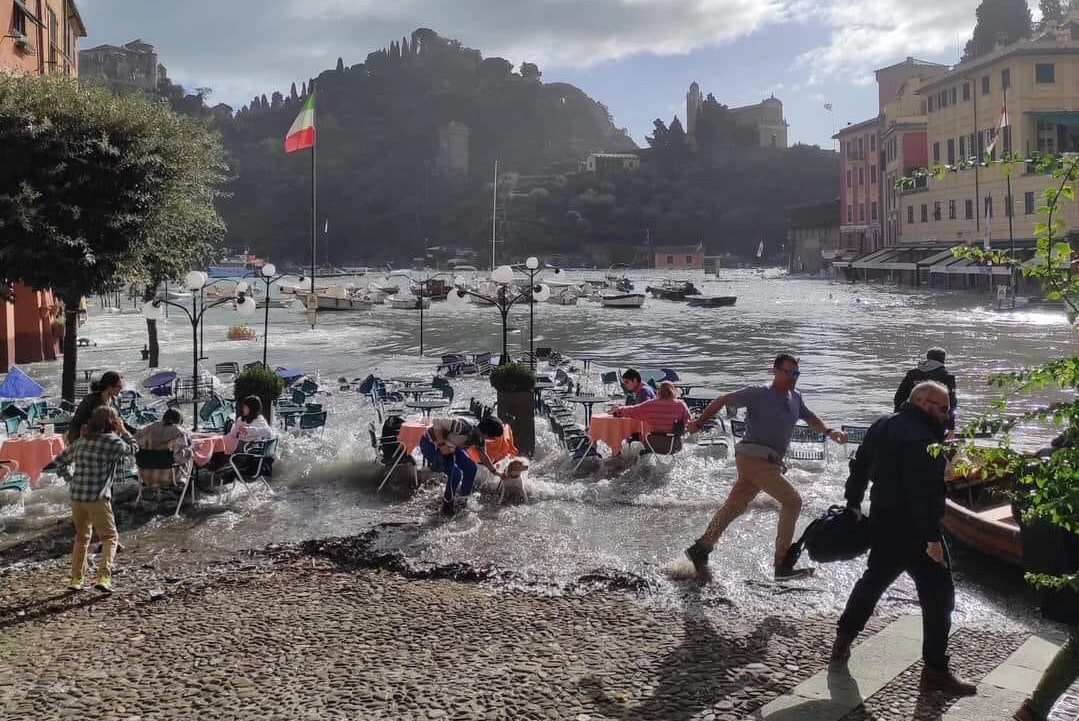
977,515
567,296
716,301
671,290
334,298
408,302
622,300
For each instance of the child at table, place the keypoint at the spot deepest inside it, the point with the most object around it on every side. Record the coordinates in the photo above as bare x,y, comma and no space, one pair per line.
90,465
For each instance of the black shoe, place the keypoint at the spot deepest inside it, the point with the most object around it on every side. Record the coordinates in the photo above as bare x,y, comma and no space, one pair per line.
945,681
790,573
698,556
447,508
841,647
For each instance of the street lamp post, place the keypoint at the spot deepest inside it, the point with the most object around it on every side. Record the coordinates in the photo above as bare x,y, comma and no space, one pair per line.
202,304
503,276
268,275
532,267
195,281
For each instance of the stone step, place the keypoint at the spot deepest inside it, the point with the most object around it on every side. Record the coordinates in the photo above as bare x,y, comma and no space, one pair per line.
881,680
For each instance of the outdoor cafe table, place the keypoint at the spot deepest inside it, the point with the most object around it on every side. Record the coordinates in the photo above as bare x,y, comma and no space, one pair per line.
417,391
587,400
406,381
612,431
411,432
204,445
32,453
426,407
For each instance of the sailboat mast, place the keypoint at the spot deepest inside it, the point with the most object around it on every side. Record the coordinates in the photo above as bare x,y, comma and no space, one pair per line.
494,216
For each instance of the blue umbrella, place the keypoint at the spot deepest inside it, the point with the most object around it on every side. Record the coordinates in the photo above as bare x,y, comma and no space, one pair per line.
19,385
289,375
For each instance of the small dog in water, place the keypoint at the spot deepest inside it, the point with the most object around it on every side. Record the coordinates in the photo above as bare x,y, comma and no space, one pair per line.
514,482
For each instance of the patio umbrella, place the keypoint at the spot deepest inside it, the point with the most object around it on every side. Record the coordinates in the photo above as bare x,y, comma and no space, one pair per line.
289,375
160,383
19,385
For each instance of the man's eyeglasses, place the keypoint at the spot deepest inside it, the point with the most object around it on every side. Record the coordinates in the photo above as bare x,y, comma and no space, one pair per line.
938,404
792,372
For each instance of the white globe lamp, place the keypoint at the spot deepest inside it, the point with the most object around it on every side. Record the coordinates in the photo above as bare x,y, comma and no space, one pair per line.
151,311
268,270
503,275
532,263
195,280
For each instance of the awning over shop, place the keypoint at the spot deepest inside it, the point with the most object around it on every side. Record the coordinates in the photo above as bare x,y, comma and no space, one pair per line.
897,257
964,266
1062,118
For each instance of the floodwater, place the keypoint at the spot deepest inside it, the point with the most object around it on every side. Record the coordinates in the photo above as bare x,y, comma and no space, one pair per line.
855,342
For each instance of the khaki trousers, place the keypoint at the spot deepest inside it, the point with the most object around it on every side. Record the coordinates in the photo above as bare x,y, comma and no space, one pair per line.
756,475
88,516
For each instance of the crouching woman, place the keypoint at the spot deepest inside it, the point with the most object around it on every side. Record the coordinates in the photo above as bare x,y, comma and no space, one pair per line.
90,466
444,446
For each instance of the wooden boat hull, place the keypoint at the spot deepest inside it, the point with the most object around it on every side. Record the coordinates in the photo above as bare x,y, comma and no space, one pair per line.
723,301
992,532
333,303
623,300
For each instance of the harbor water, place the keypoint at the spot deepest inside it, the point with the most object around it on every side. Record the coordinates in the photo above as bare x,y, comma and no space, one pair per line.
855,343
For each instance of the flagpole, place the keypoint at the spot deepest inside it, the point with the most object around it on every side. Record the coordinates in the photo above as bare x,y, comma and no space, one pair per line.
314,217
977,154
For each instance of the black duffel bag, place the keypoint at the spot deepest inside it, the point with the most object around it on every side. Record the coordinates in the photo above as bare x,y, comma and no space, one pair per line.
839,535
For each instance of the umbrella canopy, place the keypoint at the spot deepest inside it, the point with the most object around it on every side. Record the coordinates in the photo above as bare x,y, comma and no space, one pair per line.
289,375
19,385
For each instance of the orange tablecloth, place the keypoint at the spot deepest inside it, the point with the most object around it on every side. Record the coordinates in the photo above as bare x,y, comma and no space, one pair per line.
410,433
204,447
497,449
612,431
32,453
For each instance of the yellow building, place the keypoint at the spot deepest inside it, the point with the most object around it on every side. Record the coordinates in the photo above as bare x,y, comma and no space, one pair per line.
1040,80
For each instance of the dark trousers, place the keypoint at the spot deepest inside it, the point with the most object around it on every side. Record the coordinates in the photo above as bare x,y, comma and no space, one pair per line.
889,557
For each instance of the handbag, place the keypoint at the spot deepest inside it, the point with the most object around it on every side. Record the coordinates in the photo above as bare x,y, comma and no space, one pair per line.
841,534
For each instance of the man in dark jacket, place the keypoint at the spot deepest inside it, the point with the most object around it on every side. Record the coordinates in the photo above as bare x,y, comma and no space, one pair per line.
906,509
931,369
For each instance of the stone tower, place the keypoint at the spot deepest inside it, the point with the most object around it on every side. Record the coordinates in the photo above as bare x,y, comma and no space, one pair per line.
693,107
452,149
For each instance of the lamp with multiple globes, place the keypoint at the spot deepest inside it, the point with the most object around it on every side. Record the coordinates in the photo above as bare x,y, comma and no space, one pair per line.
540,293
196,281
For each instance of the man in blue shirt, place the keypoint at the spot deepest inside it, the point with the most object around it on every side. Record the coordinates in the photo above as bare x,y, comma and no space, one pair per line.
636,387
771,414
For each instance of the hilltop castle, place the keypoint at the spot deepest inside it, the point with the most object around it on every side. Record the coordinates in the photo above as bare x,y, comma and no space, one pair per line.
766,116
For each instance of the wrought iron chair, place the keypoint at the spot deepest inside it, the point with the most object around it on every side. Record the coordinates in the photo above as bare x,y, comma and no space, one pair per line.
390,452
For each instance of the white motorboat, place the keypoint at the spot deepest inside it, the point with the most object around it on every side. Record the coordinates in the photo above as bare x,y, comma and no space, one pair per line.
335,297
621,300
408,302
565,296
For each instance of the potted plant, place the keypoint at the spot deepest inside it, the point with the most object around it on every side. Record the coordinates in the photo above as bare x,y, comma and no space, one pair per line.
514,383
262,382
240,332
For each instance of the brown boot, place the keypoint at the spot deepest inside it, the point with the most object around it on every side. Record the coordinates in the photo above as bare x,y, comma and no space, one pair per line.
841,647
945,681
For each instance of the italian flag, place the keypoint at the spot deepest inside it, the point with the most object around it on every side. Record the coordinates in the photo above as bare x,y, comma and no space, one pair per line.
302,133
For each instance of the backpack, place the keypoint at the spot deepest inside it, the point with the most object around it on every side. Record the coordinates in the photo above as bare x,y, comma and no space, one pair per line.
838,535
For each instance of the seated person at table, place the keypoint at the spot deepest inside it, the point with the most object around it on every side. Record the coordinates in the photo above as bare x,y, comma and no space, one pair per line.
659,414
166,435
250,426
103,392
634,386
444,446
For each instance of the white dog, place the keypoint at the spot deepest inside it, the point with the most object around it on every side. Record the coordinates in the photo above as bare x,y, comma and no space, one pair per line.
514,482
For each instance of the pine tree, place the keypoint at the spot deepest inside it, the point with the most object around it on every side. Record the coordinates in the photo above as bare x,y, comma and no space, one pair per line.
406,51
303,94
340,66
292,93
263,102
998,20
1052,11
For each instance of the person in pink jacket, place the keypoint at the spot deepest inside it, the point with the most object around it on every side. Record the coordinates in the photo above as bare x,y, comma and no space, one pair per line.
661,413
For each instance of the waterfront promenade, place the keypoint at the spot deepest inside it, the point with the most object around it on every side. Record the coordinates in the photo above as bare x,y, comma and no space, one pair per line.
299,633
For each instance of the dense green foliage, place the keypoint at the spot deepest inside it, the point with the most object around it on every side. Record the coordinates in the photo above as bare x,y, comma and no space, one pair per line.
261,382
385,199
998,20
107,186
513,378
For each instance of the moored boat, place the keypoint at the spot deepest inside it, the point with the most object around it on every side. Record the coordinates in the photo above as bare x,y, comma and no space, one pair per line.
621,300
335,297
565,296
673,290
977,515
408,302
716,301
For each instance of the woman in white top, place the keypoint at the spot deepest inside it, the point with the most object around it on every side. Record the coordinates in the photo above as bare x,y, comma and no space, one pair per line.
250,425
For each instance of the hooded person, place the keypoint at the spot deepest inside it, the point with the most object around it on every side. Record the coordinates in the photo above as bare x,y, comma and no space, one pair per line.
930,369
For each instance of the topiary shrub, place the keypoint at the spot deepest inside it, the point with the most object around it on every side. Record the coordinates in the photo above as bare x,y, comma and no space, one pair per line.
261,382
513,378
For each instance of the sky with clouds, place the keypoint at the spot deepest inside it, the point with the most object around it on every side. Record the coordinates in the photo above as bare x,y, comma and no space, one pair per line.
636,56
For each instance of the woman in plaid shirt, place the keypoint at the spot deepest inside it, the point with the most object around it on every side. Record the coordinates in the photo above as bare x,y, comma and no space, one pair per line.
97,458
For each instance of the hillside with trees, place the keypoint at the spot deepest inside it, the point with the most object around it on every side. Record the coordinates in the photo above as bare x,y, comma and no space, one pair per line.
385,199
